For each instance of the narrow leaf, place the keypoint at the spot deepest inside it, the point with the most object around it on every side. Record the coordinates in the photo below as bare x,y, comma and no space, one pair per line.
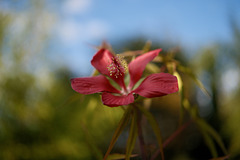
181,113
213,133
189,72
152,68
221,158
132,136
155,128
123,122
116,156
89,140
209,142
147,46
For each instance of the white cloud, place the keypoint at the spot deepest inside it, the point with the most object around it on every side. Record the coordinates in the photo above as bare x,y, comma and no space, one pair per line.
71,31
230,80
76,6
97,29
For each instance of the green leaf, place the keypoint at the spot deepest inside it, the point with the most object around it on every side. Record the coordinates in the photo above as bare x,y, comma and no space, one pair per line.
209,142
152,68
155,128
89,140
181,106
179,79
205,126
95,72
221,158
123,122
189,72
116,156
132,135
147,46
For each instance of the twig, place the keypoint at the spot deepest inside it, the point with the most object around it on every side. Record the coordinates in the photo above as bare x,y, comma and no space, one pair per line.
140,135
176,133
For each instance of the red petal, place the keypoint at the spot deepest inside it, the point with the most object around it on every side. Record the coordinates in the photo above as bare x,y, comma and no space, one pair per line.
114,101
156,85
90,85
102,60
137,66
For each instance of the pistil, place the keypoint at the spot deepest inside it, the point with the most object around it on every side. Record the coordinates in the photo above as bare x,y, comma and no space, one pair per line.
117,69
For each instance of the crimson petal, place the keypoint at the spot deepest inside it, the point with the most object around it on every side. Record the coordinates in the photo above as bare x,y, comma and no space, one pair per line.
114,101
137,66
90,85
156,85
102,61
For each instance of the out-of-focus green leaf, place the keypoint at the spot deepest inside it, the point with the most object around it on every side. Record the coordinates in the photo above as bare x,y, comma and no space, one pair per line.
153,68
189,72
147,46
179,79
220,158
147,102
123,122
181,90
132,135
205,126
181,107
132,53
89,140
209,142
155,128
193,111
95,72
116,156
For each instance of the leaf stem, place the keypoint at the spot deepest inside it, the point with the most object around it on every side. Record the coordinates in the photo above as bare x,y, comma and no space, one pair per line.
140,134
173,136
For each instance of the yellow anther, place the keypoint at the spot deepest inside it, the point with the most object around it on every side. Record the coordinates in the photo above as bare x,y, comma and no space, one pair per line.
118,66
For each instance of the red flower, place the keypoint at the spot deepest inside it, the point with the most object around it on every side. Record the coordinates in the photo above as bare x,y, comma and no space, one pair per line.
114,67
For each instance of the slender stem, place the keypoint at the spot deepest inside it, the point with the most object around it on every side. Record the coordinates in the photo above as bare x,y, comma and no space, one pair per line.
140,135
175,134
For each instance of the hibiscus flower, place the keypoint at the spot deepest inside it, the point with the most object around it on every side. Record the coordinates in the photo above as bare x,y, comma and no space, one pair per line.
115,67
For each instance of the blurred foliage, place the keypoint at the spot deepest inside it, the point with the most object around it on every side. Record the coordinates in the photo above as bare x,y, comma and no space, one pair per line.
41,117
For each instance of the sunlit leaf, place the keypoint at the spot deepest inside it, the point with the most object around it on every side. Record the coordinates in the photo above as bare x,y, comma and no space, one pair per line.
123,122
180,83
132,135
155,128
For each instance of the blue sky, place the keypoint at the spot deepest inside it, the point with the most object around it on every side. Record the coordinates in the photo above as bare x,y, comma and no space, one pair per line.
77,23
189,23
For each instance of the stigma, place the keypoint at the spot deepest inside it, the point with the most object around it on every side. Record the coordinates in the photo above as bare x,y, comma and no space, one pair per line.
118,66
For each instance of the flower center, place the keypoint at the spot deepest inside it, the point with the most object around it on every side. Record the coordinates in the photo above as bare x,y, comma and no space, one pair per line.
118,66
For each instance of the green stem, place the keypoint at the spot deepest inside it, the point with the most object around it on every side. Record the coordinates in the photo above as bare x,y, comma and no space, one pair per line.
173,136
140,135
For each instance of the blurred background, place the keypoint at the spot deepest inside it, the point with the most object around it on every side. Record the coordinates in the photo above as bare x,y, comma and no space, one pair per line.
43,44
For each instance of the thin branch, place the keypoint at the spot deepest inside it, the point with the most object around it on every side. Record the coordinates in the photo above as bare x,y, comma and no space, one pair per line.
173,136
140,135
